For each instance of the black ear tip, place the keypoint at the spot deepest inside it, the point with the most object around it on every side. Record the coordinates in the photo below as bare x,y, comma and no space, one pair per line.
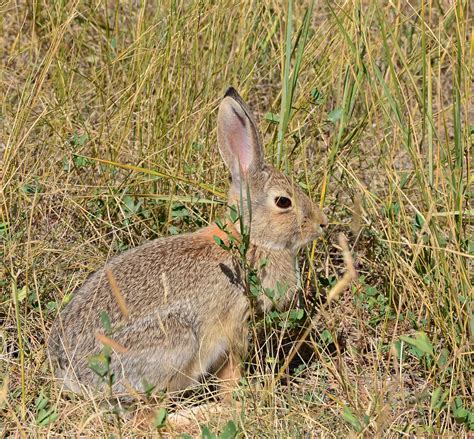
232,92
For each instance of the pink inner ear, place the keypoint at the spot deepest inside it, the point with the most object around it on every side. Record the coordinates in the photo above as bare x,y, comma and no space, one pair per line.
240,143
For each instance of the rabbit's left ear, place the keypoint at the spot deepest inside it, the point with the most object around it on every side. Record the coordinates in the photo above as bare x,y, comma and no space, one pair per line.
238,137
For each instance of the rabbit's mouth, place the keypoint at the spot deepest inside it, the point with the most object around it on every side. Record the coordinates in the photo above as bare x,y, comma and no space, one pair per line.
306,239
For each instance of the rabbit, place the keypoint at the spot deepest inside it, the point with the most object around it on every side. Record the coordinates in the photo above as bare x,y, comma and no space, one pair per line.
185,295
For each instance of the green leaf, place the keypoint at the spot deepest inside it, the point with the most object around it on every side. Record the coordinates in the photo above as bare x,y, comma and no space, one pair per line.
317,96
98,364
462,415
66,164
443,357
296,314
41,402
229,431
179,211
234,214
254,290
421,342
105,321
335,115
21,294
3,229
272,118
326,337
160,418
197,146
51,306
219,242
282,288
79,140
148,387
438,398
79,161
66,299
392,210
130,204
206,433
269,292
350,418
46,417
371,291
419,221
173,230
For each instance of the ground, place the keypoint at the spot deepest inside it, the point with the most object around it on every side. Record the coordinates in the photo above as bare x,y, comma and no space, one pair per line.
108,139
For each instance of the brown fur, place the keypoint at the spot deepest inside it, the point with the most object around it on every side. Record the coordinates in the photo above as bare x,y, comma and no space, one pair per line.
184,294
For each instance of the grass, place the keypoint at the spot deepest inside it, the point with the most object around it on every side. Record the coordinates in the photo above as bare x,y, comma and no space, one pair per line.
107,139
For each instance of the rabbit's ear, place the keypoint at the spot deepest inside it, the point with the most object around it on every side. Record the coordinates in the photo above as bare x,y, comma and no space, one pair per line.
237,134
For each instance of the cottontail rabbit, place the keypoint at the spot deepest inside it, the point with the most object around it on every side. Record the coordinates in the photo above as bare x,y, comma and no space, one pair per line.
186,294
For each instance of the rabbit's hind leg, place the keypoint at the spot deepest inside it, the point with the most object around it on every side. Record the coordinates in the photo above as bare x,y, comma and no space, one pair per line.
159,352
229,376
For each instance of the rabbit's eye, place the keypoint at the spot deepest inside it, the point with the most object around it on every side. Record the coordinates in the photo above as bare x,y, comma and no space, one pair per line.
283,202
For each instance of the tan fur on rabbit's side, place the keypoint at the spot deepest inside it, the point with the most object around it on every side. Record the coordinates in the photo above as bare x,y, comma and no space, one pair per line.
187,306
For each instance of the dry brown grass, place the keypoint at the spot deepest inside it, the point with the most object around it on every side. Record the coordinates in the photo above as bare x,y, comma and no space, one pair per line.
133,83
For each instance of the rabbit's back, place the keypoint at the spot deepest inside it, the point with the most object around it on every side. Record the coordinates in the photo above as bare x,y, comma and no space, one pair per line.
182,293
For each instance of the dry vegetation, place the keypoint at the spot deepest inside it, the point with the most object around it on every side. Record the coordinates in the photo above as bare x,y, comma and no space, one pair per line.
107,139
